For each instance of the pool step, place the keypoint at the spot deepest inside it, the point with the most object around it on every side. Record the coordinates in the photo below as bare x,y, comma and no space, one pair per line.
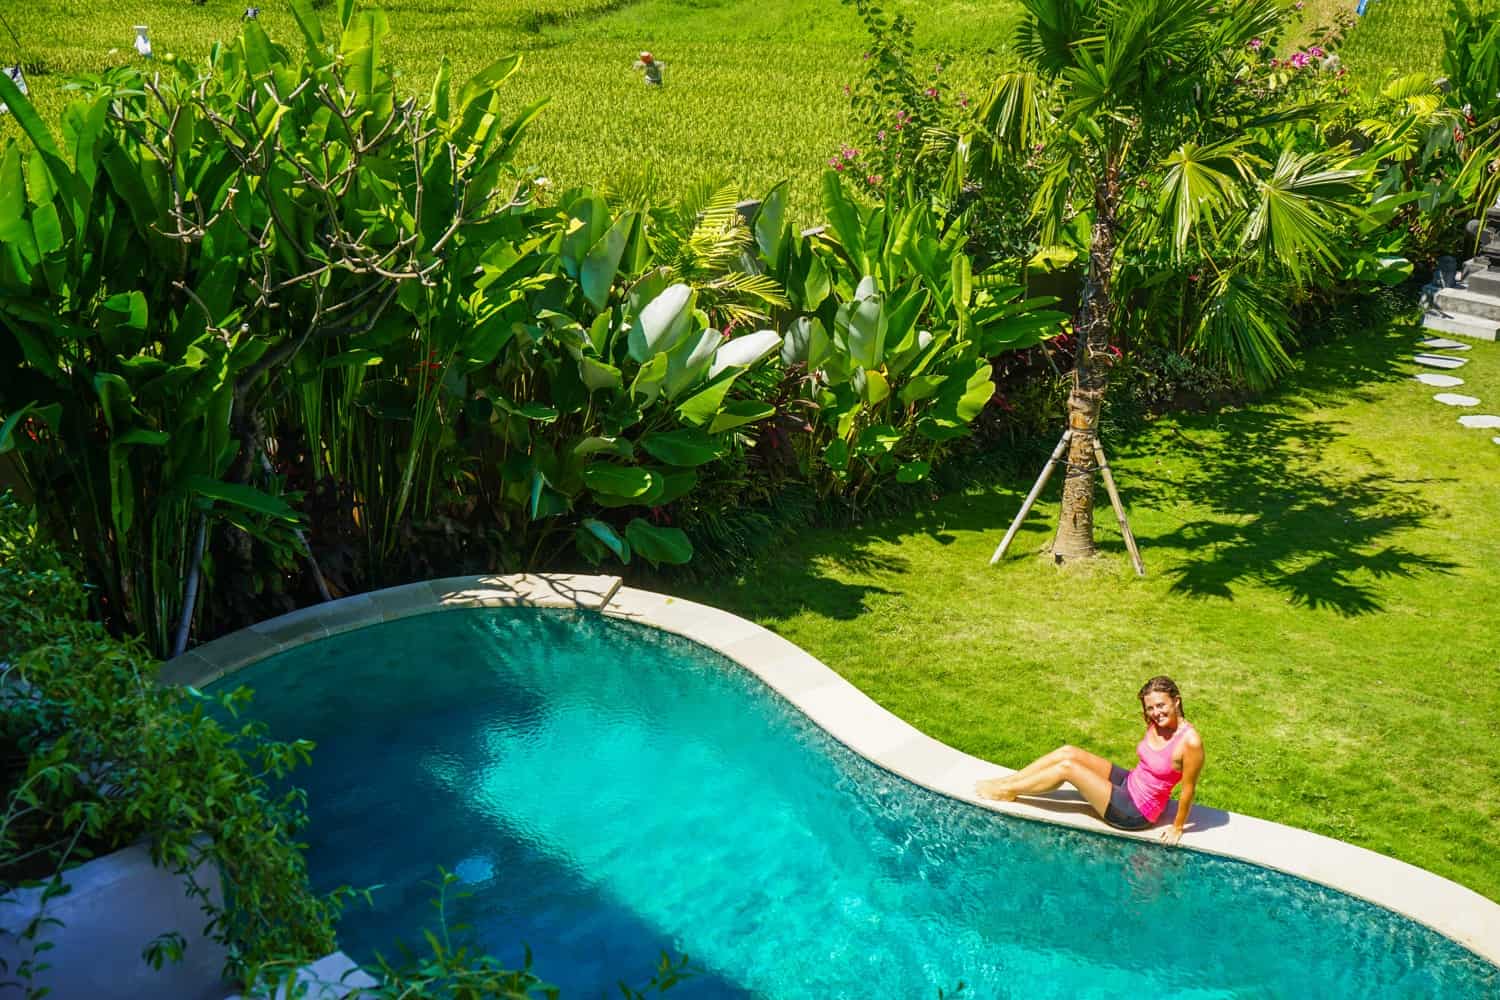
331,977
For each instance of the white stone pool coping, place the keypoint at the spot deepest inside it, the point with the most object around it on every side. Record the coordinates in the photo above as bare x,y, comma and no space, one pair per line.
855,720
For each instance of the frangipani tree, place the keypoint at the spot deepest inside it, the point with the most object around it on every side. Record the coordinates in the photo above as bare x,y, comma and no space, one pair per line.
1151,126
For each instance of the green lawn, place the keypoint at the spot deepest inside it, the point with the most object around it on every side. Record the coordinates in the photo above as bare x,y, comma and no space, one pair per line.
1321,585
754,91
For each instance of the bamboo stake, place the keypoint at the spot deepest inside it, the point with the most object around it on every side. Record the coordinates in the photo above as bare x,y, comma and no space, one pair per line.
1114,499
1036,490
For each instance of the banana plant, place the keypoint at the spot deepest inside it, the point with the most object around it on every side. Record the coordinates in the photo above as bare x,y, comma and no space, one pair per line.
193,233
899,337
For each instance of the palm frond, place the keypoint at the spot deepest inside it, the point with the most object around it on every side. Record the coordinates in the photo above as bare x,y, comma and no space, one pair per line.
1244,327
1294,217
1201,183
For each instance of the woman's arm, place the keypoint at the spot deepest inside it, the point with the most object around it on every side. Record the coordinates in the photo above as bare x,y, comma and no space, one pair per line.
1192,766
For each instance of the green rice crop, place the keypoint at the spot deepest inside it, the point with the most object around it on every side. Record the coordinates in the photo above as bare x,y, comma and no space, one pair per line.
1397,37
753,90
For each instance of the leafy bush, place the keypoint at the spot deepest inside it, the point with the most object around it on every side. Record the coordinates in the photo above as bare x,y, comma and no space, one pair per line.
101,755
325,289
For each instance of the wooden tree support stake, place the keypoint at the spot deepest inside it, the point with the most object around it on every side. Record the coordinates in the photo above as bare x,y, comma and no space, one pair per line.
1114,499
1036,491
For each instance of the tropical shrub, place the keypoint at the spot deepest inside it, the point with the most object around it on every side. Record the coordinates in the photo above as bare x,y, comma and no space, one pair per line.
98,755
275,288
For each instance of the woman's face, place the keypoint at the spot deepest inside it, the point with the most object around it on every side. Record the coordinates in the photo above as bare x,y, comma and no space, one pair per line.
1160,709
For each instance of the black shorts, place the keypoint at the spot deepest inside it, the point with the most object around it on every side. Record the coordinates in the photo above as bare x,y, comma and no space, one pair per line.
1122,812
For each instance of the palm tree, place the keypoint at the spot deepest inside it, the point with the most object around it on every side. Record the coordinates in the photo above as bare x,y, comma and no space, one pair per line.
1160,123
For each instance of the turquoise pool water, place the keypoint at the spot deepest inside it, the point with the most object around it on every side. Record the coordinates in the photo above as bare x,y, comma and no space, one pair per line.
608,791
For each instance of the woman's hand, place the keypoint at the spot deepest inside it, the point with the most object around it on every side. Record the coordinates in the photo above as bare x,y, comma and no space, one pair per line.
1171,835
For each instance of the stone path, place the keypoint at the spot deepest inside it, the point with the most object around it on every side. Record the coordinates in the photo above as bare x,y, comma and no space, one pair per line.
1432,360
1440,381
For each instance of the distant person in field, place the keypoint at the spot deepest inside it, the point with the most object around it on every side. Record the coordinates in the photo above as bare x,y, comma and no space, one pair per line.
1170,752
648,63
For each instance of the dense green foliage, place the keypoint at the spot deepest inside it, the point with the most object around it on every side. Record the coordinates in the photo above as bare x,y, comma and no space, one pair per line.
277,272
98,755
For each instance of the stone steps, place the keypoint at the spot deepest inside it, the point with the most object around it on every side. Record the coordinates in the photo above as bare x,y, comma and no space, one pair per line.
1484,282
1467,302
1461,326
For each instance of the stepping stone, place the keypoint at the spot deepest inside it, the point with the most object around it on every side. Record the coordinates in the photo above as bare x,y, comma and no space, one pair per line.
1439,361
1496,440
1444,344
1479,420
1454,399
1439,381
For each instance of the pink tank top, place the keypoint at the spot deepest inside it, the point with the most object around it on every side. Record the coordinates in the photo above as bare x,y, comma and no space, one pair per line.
1150,784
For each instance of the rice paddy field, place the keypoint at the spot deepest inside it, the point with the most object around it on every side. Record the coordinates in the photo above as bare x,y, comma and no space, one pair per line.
753,89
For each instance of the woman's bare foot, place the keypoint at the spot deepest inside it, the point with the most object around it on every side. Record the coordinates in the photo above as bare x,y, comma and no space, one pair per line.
994,788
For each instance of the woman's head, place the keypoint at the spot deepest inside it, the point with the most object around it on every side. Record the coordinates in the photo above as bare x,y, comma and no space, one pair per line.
1160,700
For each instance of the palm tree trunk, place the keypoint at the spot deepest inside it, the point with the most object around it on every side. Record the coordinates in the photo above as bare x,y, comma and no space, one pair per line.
1075,528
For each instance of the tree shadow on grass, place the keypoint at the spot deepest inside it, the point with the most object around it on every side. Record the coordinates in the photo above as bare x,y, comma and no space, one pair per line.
1281,517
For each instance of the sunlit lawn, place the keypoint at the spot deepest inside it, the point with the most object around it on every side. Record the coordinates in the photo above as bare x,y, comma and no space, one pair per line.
1321,584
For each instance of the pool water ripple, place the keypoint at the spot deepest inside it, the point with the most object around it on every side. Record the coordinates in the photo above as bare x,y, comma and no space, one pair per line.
608,791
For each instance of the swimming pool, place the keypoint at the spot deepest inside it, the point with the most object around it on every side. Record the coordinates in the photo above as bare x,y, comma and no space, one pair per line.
608,791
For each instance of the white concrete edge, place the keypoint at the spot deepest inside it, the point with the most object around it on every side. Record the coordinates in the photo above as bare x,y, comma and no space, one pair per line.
856,721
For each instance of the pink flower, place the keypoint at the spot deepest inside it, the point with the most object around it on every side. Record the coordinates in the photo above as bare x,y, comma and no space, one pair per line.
847,91
1275,63
873,180
880,135
1256,43
1299,59
850,152
931,92
1298,4
1316,51
836,163
963,100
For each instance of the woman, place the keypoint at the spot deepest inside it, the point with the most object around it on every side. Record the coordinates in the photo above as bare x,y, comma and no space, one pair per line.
1171,751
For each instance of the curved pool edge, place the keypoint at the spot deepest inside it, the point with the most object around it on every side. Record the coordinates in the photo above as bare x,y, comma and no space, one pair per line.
855,720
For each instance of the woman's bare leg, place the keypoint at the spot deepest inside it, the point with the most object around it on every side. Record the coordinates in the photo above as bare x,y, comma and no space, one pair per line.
1078,768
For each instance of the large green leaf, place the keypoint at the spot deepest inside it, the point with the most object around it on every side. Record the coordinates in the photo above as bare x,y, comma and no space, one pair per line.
658,545
703,406
486,80
239,495
844,220
603,261
742,352
619,546
739,413
864,328
663,323
770,227
598,375
689,361
685,447
625,481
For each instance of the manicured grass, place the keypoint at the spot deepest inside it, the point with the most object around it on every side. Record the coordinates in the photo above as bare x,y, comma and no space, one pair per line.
753,90
1321,585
